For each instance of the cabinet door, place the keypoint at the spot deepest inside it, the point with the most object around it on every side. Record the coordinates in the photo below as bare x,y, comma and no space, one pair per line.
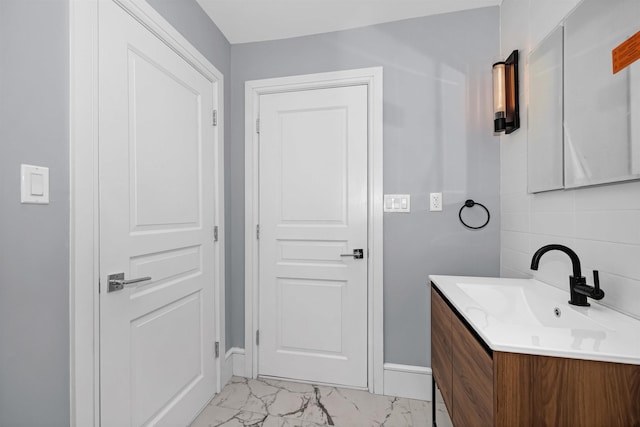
472,379
441,316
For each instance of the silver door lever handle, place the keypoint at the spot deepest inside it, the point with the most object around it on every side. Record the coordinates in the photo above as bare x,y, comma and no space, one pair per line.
130,281
117,281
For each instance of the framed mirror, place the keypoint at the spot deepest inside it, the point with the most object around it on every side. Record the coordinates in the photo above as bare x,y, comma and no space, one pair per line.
544,132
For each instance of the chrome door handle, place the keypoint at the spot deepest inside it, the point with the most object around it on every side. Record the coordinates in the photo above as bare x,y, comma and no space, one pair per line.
117,282
357,254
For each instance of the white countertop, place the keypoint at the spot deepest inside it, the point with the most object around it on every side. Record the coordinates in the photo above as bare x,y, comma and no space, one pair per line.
519,316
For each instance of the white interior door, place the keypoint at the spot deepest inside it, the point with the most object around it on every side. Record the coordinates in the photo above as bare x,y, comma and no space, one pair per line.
313,210
157,179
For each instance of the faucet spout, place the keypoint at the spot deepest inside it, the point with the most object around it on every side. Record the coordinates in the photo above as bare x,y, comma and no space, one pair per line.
575,261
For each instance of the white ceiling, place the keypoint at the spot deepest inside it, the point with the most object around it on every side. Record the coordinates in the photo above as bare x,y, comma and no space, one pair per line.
244,21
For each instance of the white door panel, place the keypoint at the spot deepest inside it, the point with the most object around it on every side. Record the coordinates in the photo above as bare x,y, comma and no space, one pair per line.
167,174
313,209
313,162
157,180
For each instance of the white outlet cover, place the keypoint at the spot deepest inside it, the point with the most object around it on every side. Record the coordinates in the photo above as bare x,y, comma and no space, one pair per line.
34,184
435,202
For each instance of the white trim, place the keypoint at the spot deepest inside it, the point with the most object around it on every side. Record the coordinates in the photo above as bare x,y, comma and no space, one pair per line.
234,364
227,368
412,382
83,227
83,165
239,362
372,77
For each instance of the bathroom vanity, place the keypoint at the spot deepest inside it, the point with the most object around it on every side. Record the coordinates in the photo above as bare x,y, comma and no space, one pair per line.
512,352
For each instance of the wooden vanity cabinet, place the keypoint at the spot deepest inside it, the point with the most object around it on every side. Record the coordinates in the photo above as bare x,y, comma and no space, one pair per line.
481,387
441,352
472,379
461,366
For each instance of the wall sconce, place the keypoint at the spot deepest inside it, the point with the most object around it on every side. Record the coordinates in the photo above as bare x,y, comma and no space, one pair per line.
505,95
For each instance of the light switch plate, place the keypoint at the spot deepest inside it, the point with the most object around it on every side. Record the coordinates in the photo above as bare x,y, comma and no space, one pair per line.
34,184
397,203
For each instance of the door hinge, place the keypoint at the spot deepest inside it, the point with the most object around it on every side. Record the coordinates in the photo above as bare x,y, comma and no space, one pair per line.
257,125
214,121
215,233
258,337
217,349
258,231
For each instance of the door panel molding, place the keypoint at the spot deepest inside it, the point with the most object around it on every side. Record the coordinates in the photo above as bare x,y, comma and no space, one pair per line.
84,225
372,77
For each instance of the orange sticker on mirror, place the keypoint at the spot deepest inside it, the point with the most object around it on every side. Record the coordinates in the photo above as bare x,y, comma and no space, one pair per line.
627,53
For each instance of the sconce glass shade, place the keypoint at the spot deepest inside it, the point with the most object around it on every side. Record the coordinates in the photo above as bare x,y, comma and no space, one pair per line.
499,97
506,111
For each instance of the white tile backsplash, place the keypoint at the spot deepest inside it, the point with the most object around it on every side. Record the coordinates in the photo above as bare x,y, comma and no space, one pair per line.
614,258
514,160
602,224
553,201
609,226
516,203
514,240
516,260
536,241
620,196
515,221
553,223
621,293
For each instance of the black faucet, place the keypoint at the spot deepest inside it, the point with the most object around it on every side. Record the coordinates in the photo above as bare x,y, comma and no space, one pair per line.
578,288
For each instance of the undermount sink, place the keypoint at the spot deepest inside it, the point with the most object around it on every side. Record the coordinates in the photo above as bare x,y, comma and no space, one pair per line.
519,304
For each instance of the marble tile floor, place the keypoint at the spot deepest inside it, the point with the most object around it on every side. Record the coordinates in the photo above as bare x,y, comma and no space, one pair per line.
248,402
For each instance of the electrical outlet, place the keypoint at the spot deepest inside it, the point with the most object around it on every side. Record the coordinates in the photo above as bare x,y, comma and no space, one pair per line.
435,201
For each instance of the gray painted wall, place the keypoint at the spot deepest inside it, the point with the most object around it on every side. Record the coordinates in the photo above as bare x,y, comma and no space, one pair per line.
438,136
195,25
34,252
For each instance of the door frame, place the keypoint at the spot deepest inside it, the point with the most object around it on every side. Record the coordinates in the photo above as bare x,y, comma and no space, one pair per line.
84,273
372,78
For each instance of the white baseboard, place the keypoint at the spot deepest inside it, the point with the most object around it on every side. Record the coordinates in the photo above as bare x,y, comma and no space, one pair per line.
226,368
238,362
233,364
412,382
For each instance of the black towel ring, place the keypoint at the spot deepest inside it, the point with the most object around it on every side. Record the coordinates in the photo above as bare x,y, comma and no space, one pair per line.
469,204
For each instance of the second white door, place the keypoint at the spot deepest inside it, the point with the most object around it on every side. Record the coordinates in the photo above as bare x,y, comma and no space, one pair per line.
313,229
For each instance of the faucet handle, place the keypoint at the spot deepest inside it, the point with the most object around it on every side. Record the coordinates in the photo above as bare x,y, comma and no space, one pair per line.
597,292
